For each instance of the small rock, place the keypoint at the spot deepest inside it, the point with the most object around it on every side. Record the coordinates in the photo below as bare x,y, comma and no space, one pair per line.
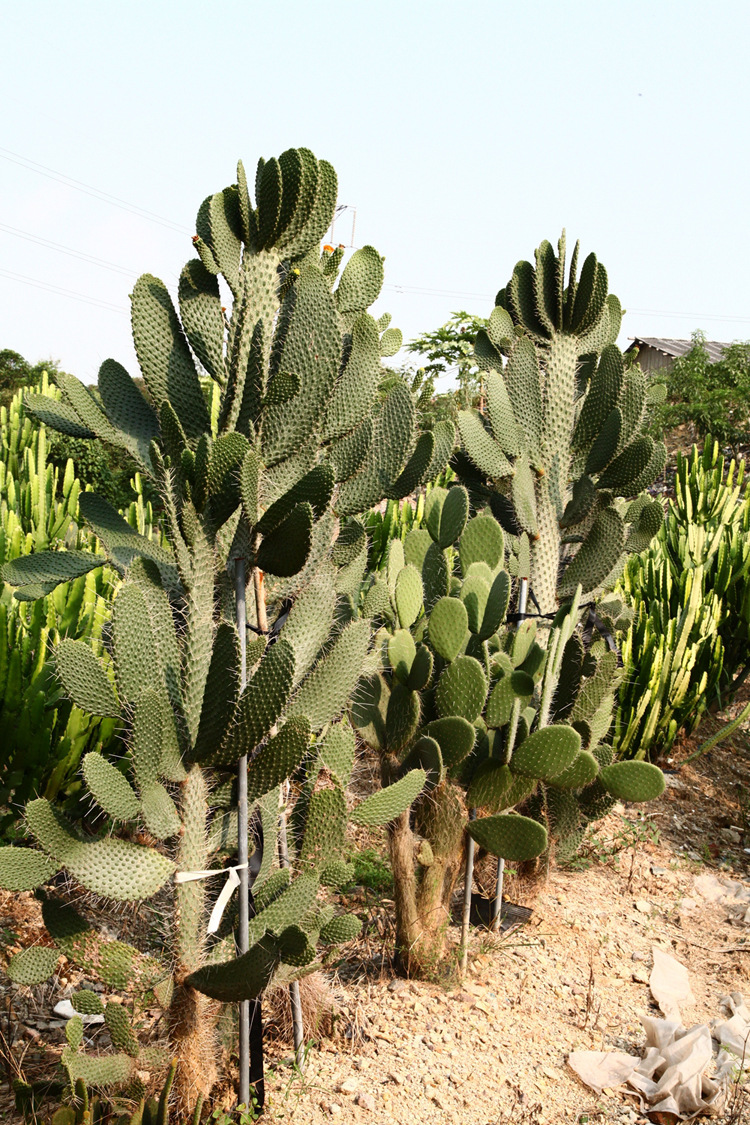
395,1078
688,904
464,997
642,906
365,1101
641,976
397,985
730,835
32,1033
334,1108
636,956
656,870
440,1101
348,1086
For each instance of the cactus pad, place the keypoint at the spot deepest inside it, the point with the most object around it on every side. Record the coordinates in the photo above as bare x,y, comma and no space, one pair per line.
34,965
633,781
547,752
509,836
24,869
462,689
448,627
85,679
387,804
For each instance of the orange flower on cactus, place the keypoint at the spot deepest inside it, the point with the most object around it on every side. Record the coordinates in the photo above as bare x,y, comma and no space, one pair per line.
328,249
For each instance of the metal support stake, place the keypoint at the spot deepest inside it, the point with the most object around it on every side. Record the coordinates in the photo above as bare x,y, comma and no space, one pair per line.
294,996
497,906
468,880
242,842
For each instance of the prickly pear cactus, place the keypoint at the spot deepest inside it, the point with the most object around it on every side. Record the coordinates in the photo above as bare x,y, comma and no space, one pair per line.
500,723
562,440
265,433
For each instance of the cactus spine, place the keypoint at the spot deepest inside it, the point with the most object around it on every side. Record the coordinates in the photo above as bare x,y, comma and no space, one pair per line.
259,460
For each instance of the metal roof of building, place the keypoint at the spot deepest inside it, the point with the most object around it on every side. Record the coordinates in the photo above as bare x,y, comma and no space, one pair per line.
675,348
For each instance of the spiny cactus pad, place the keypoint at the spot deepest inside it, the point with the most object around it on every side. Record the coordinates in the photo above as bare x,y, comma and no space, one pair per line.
110,789
448,627
454,735
110,867
461,689
385,805
278,759
85,679
509,836
24,869
547,752
33,965
633,781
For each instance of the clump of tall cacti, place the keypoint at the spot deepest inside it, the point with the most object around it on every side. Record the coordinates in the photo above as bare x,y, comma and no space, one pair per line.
265,434
690,600
43,734
562,440
494,718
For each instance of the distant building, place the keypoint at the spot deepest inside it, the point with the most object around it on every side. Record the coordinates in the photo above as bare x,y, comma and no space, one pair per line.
655,353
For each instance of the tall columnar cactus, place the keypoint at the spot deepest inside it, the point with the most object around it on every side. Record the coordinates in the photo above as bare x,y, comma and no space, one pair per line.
43,735
689,597
562,438
256,461
493,718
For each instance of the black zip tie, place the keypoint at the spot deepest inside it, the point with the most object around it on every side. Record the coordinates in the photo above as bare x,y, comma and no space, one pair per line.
593,621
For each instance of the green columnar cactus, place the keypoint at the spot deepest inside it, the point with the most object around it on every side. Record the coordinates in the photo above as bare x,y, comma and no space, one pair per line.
499,723
691,610
42,744
562,436
259,459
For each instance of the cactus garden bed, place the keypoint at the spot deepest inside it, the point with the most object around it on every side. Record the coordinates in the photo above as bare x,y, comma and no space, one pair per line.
493,1048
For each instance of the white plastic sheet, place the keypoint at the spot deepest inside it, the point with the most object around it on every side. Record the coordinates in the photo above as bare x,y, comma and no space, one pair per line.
683,1071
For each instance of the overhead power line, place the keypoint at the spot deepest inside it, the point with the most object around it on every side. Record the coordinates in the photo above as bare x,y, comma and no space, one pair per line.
72,294
151,216
89,189
91,259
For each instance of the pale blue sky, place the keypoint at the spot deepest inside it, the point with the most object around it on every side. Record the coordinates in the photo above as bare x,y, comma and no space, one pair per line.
463,134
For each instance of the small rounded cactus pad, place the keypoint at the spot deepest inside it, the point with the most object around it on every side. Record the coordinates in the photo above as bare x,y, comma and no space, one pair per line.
455,737
633,781
24,869
547,752
344,927
582,771
509,836
34,965
448,627
85,679
482,541
462,689
87,1002
385,805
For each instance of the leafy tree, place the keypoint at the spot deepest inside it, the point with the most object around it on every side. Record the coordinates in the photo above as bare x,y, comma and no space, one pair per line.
15,372
450,350
712,398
